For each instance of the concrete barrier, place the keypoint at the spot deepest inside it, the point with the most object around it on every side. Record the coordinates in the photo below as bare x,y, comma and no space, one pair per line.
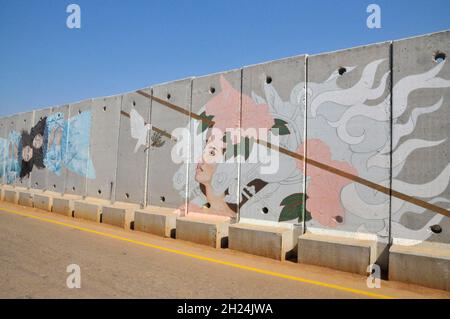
10,196
346,254
88,210
42,201
158,222
26,198
119,214
273,242
63,205
203,231
427,264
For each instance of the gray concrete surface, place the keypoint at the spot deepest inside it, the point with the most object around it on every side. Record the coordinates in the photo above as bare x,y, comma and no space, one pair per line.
25,198
104,146
158,223
161,168
10,196
271,242
87,210
117,216
344,254
131,170
76,184
204,232
427,265
63,206
43,202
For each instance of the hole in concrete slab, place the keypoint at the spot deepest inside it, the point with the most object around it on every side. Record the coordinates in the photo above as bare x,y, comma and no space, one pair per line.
134,103
127,195
169,96
79,111
342,70
37,184
437,229
265,210
207,205
212,90
73,213
73,188
24,120
439,57
132,225
54,186
268,79
99,191
162,199
104,109
339,219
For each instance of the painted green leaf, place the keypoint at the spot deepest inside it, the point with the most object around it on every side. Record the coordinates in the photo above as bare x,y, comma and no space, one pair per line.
247,144
205,124
281,126
294,199
290,212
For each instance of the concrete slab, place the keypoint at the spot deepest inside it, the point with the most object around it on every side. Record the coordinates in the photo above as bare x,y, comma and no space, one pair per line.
205,232
166,186
220,95
158,222
76,182
132,162
42,201
344,87
426,264
25,198
87,210
346,254
273,242
421,171
103,146
119,214
277,86
56,178
39,175
23,122
63,205
10,196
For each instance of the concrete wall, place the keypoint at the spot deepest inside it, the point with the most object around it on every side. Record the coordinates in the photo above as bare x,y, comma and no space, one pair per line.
421,131
166,178
338,109
348,125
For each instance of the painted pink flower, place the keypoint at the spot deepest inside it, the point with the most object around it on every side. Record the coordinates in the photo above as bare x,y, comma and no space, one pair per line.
324,189
225,109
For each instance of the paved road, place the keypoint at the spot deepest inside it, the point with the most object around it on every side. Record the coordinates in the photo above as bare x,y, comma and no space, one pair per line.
34,254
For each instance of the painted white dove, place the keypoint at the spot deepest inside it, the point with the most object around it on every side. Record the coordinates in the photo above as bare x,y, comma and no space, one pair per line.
139,129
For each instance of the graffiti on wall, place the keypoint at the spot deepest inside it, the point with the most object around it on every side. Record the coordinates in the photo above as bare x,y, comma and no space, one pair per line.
343,133
52,143
360,134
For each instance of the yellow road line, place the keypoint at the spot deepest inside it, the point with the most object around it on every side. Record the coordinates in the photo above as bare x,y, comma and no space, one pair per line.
212,260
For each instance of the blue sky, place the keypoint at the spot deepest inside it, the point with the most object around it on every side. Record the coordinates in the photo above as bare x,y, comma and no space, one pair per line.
126,45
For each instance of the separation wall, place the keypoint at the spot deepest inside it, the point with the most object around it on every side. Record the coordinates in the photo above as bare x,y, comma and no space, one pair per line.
360,140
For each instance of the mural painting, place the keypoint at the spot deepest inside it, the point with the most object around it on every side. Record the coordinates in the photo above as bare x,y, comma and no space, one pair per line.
51,144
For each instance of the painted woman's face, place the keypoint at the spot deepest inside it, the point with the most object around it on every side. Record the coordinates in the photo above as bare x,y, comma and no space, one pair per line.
27,153
38,141
212,155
